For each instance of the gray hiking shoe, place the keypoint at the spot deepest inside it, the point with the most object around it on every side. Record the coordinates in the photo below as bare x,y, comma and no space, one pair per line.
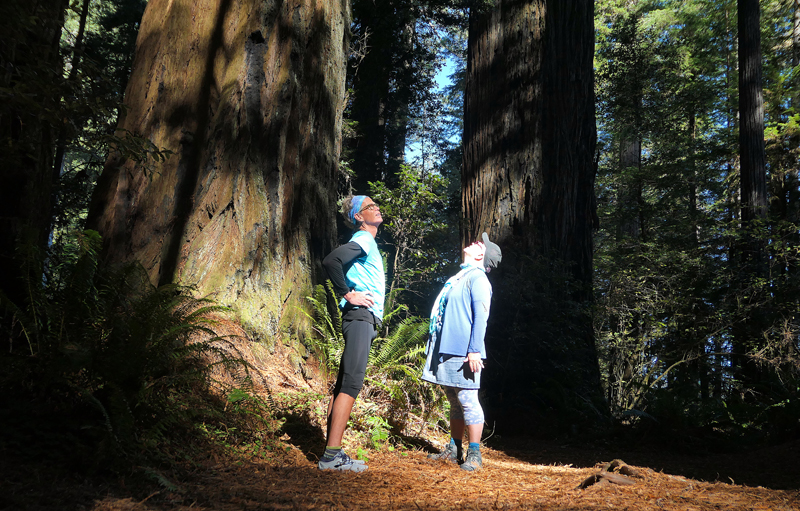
473,461
449,454
343,463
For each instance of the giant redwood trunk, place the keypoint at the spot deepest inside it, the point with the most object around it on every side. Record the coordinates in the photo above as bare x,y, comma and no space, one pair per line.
247,94
529,138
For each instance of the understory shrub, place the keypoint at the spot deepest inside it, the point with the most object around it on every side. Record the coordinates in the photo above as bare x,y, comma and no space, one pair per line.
124,370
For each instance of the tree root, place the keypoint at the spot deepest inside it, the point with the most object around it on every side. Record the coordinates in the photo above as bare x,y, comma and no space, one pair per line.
607,474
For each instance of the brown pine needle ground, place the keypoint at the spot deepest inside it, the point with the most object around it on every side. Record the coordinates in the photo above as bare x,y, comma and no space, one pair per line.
525,474
411,481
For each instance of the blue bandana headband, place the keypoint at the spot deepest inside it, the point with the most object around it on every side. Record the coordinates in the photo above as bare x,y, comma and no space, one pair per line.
355,208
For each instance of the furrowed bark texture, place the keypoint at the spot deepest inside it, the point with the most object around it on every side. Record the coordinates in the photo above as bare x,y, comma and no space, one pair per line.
748,335
248,96
751,113
528,176
501,176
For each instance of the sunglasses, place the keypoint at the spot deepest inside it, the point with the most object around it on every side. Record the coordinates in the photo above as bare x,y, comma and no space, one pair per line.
370,207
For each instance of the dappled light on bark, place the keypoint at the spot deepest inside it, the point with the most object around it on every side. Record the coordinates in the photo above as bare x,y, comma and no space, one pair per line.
247,96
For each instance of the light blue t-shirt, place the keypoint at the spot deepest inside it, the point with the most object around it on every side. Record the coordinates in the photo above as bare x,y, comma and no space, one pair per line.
366,274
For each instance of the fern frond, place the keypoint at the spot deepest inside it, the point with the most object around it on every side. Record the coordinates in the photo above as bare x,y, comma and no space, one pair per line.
327,323
408,337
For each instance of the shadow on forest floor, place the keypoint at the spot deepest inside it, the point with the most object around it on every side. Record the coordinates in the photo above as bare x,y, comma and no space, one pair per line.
771,467
517,473
304,435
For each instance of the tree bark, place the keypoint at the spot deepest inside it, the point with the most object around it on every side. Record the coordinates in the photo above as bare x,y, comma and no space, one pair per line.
248,96
796,52
751,114
30,67
371,92
630,193
753,189
381,89
527,179
75,62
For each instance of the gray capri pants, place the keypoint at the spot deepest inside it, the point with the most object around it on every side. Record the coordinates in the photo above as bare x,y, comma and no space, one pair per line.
464,405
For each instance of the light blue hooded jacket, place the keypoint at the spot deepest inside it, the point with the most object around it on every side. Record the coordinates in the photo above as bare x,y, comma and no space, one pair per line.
465,315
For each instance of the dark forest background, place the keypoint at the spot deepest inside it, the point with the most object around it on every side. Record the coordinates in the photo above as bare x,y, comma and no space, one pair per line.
165,164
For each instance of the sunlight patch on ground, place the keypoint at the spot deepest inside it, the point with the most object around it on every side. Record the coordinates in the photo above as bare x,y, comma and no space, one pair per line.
518,466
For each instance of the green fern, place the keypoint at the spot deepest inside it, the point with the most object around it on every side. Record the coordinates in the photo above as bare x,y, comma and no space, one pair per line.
394,377
404,345
138,359
326,319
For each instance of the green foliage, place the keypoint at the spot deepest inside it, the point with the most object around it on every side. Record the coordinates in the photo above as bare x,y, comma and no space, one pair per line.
394,372
682,333
421,237
132,365
393,386
379,431
326,319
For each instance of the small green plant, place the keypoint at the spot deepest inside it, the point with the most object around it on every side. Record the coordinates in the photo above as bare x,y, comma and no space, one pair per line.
379,432
326,319
393,389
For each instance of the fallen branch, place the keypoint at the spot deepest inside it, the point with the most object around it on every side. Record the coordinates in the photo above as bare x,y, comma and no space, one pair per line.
607,474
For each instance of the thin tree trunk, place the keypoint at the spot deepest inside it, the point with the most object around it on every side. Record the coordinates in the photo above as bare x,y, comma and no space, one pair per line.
61,145
250,103
30,63
796,53
630,193
752,182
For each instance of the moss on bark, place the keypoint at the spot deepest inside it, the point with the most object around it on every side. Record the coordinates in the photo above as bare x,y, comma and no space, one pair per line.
247,95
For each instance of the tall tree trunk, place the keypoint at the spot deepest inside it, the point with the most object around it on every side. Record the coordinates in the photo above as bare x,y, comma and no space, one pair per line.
371,90
31,67
248,96
752,178
527,179
796,53
382,90
630,193
751,115
397,131
74,65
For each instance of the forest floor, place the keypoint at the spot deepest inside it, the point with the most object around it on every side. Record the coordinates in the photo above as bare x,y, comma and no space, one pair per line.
533,476
517,474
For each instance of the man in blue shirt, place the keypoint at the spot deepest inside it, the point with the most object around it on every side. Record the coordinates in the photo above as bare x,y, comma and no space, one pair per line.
356,272
456,348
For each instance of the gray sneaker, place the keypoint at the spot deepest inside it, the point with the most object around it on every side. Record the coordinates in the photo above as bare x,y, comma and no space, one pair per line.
473,461
450,454
342,462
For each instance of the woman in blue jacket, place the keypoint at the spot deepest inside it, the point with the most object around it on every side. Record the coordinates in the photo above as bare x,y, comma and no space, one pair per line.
456,349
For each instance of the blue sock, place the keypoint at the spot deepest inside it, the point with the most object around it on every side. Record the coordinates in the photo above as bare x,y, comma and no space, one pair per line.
474,446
